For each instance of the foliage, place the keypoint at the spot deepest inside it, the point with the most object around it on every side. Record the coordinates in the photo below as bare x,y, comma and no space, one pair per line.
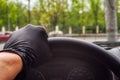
50,13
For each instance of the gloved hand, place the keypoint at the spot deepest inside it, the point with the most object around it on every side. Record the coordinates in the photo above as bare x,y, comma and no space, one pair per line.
31,44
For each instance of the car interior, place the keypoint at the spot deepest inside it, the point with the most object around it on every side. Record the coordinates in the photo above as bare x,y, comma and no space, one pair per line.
74,59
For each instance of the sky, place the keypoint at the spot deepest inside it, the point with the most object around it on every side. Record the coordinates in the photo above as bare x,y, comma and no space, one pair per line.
26,2
33,2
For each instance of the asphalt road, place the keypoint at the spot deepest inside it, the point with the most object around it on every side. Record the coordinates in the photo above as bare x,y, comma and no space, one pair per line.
89,39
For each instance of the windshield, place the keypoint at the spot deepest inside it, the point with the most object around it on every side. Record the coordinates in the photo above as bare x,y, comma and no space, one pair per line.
90,20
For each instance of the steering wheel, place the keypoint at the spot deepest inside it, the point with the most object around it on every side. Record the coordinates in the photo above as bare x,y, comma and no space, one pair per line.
74,59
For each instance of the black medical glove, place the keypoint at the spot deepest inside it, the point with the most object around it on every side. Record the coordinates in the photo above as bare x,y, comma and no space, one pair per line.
31,44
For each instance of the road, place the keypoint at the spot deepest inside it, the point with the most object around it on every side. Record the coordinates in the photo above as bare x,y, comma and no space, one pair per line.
92,39
89,39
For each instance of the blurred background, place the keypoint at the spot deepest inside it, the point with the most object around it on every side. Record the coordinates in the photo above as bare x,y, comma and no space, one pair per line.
91,20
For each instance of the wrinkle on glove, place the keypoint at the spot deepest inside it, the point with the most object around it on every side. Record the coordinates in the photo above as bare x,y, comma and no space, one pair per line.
31,44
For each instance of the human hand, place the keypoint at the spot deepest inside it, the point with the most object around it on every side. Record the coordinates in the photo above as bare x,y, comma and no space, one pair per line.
30,43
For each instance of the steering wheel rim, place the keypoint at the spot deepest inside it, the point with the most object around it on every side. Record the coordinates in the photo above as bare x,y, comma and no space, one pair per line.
108,59
65,63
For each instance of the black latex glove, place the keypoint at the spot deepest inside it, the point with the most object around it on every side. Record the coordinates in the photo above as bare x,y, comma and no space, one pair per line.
31,44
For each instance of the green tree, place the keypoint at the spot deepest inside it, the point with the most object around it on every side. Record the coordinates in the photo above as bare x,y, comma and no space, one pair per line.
94,8
3,13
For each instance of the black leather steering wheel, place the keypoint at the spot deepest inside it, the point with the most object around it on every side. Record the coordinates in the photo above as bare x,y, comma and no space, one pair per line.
75,59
